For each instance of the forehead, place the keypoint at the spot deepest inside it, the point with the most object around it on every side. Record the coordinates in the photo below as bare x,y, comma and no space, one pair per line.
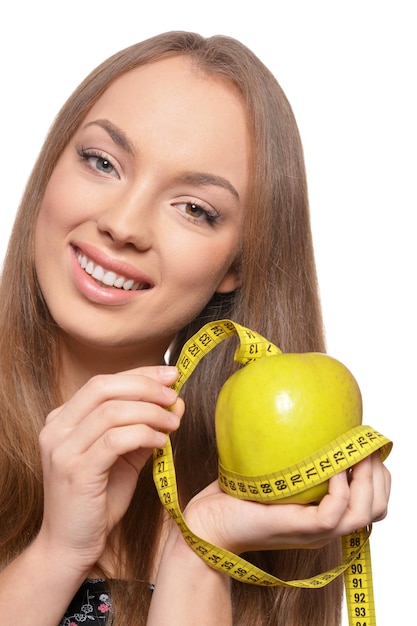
171,108
171,84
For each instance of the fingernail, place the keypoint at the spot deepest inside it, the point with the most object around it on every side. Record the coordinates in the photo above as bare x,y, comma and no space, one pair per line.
162,438
169,372
170,393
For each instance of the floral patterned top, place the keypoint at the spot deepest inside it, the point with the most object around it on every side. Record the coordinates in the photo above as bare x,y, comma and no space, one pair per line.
90,605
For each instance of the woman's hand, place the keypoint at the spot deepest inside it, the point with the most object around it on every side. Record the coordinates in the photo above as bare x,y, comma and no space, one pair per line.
93,448
352,502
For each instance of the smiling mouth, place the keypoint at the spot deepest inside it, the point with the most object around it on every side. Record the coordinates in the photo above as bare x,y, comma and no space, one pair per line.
108,278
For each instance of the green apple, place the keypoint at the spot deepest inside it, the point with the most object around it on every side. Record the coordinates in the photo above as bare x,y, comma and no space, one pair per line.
278,410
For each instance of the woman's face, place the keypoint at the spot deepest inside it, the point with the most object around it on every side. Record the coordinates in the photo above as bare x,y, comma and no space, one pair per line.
141,219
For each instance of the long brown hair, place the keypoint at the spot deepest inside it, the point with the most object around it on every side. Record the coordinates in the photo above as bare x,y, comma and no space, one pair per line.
278,298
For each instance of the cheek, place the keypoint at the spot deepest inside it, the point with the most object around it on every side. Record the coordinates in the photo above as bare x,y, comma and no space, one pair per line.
65,200
42,230
201,270
45,232
52,225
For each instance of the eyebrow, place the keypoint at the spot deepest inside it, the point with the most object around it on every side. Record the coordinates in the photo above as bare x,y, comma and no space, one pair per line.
115,133
204,178
187,178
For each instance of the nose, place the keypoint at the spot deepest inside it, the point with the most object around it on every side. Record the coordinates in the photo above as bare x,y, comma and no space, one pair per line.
127,222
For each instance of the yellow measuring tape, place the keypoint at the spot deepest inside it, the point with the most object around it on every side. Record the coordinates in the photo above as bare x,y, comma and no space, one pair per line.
339,455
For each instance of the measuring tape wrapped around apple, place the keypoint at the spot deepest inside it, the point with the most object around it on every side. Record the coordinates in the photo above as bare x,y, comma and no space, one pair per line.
303,409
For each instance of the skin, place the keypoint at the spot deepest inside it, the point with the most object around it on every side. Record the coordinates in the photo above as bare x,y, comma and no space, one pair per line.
124,193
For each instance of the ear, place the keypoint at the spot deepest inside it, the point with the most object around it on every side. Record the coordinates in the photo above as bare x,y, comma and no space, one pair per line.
230,281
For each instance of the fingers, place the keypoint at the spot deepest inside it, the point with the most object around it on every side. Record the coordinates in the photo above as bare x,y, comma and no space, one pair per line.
119,421
358,500
353,501
151,384
93,448
112,416
349,502
380,479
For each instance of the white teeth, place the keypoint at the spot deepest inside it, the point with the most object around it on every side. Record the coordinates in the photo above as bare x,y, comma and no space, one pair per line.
128,284
119,282
98,273
109,278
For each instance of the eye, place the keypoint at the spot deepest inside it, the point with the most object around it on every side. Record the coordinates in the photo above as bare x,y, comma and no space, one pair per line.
197,213
194,210
98,161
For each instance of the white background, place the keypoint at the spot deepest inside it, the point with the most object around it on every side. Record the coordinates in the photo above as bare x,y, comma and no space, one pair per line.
349,70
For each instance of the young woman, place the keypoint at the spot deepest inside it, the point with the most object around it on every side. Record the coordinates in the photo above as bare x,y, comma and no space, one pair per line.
170,192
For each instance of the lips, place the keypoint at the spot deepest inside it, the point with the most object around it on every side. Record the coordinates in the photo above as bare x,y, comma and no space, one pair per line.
108,277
